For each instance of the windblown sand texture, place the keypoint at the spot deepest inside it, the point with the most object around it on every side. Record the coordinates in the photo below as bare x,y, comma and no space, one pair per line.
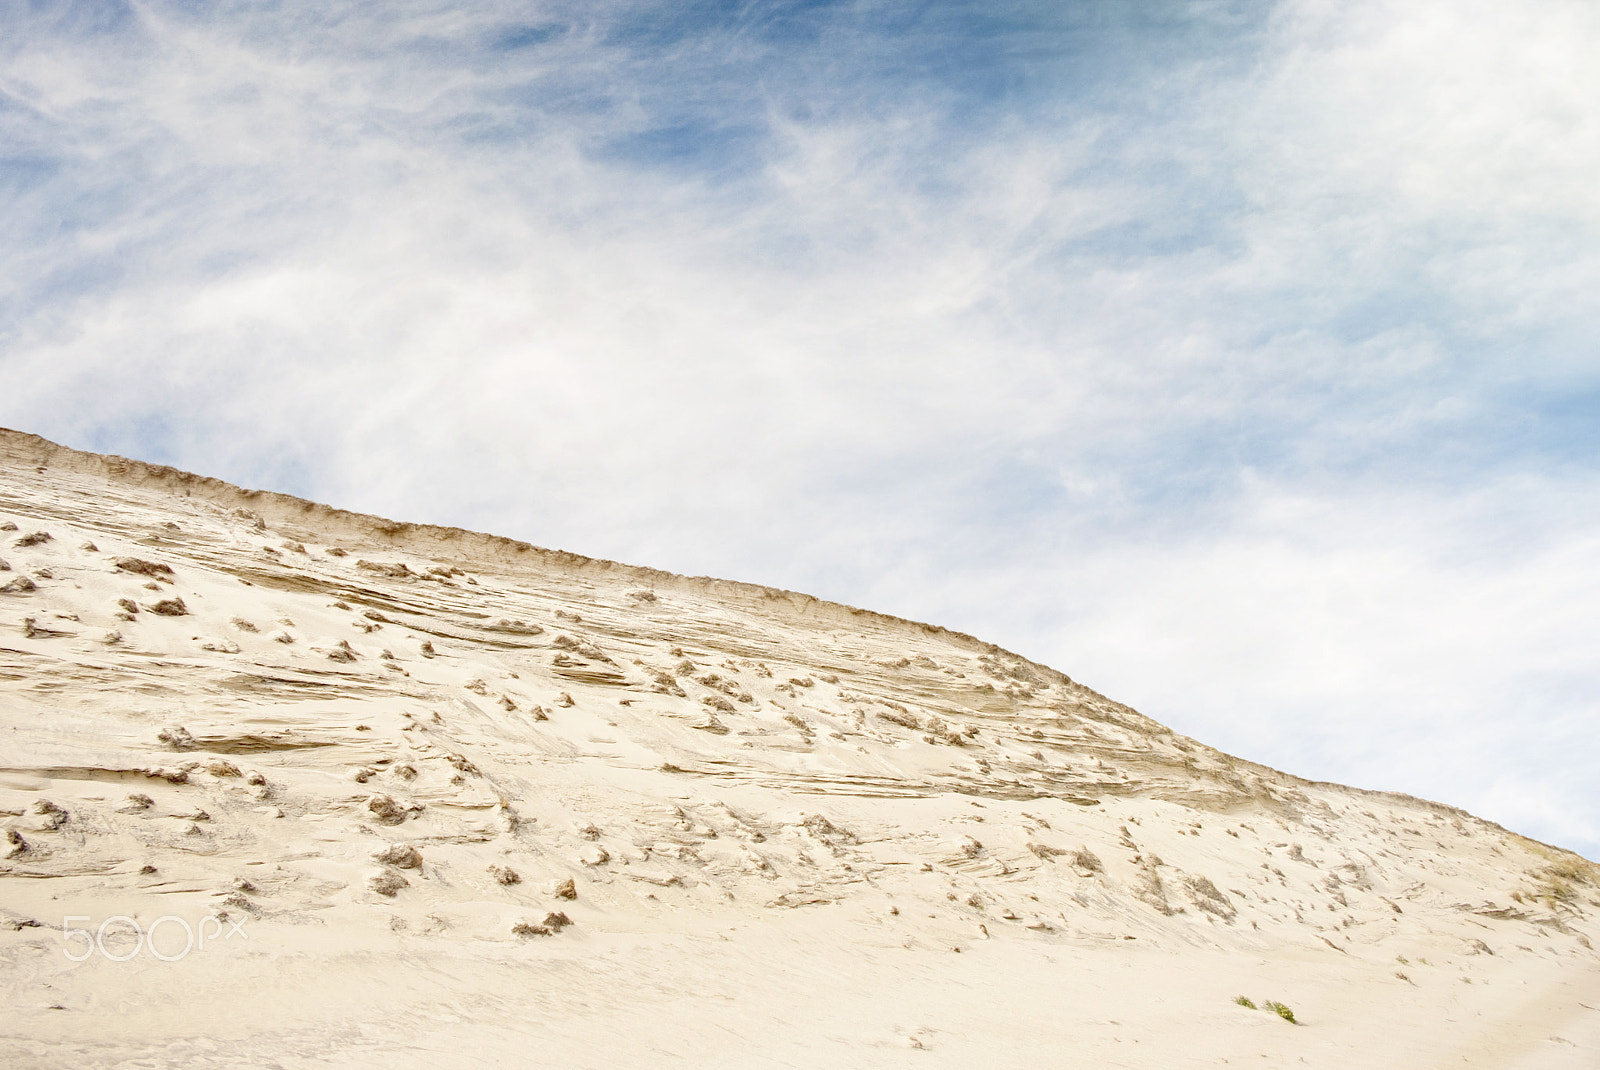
460,801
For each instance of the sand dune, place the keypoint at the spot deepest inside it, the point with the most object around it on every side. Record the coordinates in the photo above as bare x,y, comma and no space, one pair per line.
302,787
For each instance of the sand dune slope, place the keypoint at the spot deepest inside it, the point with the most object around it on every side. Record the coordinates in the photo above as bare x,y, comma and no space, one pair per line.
288,786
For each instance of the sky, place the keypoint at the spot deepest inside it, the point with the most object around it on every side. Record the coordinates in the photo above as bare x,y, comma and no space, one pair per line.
1238,359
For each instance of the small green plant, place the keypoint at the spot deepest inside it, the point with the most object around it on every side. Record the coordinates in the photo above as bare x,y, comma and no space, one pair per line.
1281,1010
1244,1001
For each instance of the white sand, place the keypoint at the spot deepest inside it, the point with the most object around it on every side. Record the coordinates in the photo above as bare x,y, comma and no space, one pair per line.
797,834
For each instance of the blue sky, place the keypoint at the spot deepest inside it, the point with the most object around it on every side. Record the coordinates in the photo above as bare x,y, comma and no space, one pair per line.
1236,358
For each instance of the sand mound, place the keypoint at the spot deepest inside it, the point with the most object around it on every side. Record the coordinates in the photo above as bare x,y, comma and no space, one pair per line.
284,784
